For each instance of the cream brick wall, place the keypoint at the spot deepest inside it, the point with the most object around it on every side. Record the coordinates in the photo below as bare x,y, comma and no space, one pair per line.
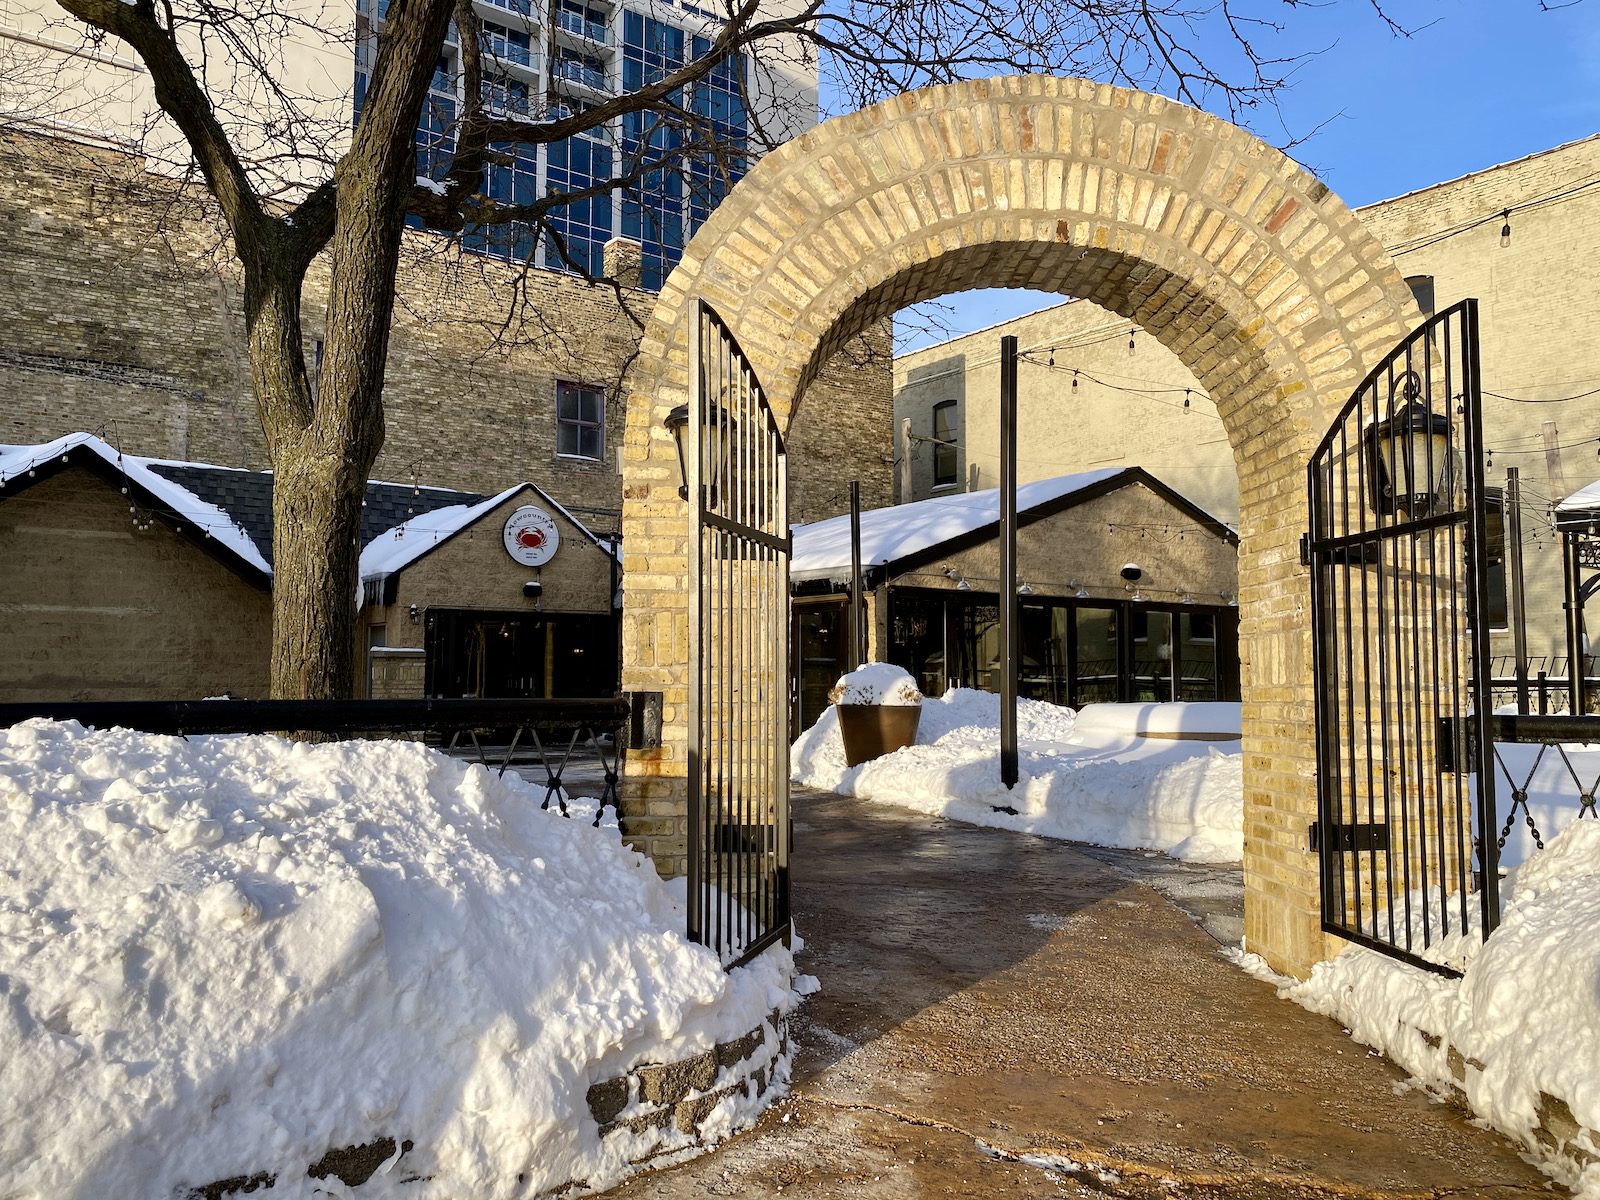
1127,410
1245,266
96,609
120,314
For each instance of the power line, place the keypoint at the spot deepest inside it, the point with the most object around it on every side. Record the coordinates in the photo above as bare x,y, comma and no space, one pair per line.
1149,393
1502,213
1552,400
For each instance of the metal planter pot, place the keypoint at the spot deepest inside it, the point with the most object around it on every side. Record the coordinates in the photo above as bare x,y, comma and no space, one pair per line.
872,730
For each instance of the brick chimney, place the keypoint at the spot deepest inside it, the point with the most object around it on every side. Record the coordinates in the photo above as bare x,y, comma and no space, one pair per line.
624,262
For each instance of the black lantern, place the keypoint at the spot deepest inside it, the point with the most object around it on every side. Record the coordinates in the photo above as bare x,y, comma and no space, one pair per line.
1408,455
677,423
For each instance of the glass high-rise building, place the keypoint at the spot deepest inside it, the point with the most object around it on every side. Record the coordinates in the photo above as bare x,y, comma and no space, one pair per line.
544,61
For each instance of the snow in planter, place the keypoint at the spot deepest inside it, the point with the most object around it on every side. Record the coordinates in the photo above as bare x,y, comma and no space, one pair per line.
1519,1032
876,683
1114,774
225,957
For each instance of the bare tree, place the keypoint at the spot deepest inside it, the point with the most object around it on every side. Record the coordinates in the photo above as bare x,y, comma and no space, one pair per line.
293,182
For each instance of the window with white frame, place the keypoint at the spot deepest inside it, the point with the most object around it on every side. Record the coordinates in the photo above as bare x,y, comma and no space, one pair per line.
580,421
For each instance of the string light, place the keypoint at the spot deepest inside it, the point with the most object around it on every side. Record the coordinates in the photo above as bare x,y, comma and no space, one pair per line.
1186,397
1074,383
1052,356
1131,346
1505,230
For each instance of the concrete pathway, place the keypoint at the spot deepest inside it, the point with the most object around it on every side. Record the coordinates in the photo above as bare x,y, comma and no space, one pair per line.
1007,1016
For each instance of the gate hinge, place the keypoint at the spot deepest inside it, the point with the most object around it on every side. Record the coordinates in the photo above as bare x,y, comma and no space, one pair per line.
1353,839
1305,549
644,720
1456,746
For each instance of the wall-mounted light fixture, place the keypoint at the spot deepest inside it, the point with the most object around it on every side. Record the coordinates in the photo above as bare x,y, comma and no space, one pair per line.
415,614
961,580
1408,455
677,423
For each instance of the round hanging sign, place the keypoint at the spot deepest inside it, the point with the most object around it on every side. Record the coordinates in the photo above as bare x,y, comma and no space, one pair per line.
531,536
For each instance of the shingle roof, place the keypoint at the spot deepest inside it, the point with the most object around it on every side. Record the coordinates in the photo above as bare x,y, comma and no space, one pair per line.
230,507
246,496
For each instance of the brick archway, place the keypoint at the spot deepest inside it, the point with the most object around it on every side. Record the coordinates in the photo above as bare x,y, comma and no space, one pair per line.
1237,259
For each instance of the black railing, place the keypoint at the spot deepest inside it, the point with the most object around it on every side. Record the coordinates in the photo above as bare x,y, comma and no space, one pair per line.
1575,742
1549,682
599,724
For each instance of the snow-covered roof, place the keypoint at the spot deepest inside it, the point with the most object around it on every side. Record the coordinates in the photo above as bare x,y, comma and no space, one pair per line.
890,535
1585,500
179,504
822,549
403,545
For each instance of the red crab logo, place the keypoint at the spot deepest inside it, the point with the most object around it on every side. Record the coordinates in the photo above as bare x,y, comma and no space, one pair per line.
530,537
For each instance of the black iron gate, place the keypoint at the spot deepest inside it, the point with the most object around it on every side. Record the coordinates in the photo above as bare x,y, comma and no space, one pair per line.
1399,594
737,476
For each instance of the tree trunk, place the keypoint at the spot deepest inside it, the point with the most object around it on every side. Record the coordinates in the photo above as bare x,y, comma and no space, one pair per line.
323,445
316,524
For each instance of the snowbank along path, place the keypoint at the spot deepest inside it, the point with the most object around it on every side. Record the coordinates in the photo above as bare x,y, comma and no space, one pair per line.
1141,776
222,958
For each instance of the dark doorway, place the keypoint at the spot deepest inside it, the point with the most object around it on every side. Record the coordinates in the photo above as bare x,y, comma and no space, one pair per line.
472,652
819,655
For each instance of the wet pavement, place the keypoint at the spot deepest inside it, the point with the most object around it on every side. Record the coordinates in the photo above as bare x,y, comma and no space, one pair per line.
1008,1016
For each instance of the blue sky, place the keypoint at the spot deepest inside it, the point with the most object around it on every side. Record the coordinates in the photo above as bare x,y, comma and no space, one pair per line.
1484,82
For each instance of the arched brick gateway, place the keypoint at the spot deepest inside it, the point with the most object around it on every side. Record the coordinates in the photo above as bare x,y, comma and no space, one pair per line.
1241,262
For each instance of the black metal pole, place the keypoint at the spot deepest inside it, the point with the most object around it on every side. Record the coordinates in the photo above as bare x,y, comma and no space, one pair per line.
1573,575
1009,640
1570,573
1512,525
858,650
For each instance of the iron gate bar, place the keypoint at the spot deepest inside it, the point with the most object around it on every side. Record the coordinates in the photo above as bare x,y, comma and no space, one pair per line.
739,546
1383,482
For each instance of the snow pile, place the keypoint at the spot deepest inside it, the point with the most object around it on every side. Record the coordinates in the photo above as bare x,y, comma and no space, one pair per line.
877,683
1524,1018
229,955
1081,776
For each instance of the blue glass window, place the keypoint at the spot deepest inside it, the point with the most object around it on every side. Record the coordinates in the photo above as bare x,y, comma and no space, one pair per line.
508,45
667,206
578,19
663,209
579,68
584,226
513,180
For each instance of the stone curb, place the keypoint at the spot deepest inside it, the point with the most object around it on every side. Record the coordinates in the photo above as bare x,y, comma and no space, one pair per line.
681,1095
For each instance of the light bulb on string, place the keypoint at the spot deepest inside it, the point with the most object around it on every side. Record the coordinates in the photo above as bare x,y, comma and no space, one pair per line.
1186,397
1505,230
1074,384
1052,356
1131,345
